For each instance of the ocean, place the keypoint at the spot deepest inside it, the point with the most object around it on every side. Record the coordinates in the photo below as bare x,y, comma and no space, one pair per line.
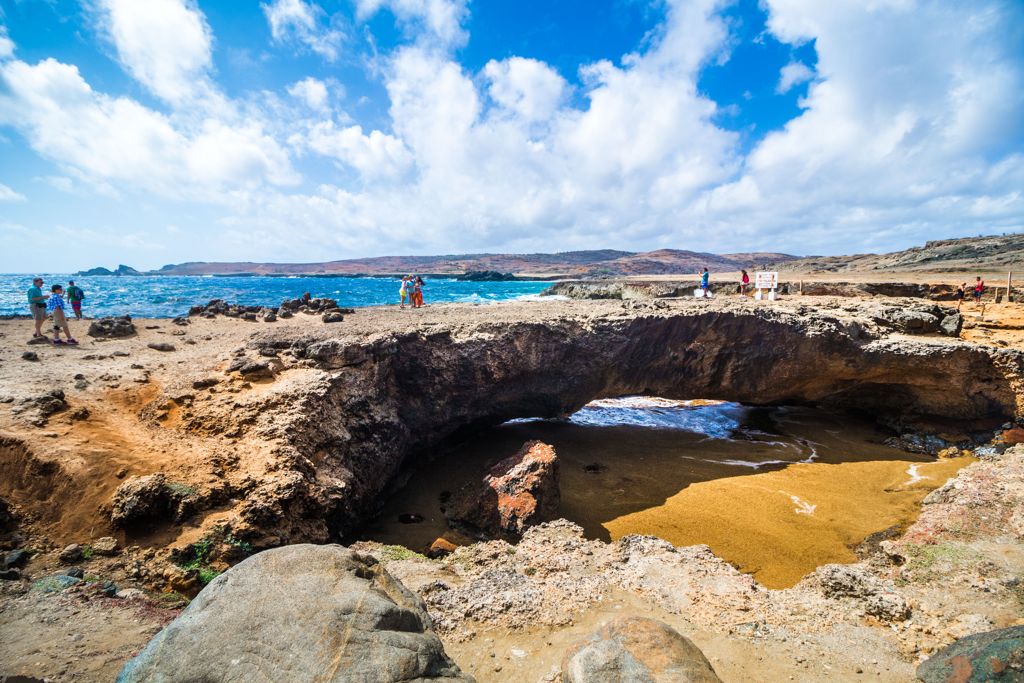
170,296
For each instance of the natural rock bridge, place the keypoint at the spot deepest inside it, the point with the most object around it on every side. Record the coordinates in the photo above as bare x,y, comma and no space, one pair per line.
386,397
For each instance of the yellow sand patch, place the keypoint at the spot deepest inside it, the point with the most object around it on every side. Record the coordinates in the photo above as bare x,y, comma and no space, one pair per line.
781,525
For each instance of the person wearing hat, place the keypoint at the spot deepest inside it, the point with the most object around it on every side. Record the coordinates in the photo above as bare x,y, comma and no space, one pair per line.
37,304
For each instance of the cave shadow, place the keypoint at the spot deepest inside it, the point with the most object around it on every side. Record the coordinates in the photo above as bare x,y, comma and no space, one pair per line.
607,472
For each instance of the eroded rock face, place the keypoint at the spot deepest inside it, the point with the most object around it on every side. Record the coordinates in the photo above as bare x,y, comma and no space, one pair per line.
140,499
518,492
636,649
299,613
852,581
381,399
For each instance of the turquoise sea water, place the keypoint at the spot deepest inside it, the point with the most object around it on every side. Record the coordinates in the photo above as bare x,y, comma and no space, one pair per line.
169,296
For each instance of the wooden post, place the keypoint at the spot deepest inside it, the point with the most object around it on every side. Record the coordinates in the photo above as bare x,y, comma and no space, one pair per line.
1009,285
801,288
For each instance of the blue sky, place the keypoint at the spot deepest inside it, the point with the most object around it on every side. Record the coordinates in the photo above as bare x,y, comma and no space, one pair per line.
157,131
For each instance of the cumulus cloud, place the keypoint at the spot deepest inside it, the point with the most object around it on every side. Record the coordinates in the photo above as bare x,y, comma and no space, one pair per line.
117,139
528,88
9,195
793,74
304,23
912,128
312,92
164,44
375,155
439,20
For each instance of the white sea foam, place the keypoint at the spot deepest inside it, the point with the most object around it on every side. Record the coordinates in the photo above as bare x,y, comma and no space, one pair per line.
715,419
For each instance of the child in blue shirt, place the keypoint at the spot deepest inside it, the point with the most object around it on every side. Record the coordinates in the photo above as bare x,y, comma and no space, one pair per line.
55,306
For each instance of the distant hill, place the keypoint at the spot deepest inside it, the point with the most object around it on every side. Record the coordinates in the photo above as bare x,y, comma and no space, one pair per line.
570,263
966,254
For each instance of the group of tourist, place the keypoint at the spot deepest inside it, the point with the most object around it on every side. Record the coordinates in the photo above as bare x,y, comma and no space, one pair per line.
54,307
411,289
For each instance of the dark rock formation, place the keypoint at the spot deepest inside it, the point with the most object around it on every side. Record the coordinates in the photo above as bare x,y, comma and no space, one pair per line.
636,649
518,492
486,276
150,498
299,613
993,656
161,346
120,270
112,327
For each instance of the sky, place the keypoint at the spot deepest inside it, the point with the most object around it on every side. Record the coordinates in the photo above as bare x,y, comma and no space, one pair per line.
149,132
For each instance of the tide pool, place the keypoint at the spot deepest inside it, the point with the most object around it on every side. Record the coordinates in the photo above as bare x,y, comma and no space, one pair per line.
170,296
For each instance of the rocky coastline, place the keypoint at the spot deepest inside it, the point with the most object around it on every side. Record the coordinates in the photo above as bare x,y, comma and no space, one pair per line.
192,444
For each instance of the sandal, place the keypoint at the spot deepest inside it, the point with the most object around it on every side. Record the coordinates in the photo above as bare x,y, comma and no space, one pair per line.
72,342
58,342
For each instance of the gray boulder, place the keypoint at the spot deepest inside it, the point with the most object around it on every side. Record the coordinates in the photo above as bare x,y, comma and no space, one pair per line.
299,613
636,649
951,325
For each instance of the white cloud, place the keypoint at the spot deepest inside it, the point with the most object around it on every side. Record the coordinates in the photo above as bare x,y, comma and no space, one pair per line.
793,74
374,156
164,44
107,139
6,44
300,21
440,20
9,195
312,92
527,87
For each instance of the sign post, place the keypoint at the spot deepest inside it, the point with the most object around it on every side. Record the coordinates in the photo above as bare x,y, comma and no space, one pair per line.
766,280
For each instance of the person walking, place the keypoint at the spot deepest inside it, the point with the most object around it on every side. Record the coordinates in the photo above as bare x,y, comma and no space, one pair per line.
75,298
961,292
979,289
37,304
705,278
744,281
55,306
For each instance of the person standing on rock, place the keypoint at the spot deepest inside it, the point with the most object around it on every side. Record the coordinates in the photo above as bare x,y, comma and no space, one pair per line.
37,304
705,278
979,289
403,292
744,281
961,292
75,297
55,306
417,290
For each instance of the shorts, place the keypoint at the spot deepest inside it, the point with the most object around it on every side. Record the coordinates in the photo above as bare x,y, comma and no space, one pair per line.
76,306
977,295
38,312
58,318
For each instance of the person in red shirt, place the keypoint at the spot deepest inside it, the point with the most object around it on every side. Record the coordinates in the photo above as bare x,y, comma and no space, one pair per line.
979,287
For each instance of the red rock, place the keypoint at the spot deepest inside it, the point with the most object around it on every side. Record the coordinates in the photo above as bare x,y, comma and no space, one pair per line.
440,548
1014,436
518,492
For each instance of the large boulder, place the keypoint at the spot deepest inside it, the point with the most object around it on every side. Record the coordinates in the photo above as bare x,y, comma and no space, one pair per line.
636,649
121,326
994,656
299,613
518,492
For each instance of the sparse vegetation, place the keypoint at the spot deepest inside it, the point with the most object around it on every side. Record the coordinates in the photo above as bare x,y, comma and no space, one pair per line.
391,553
197,556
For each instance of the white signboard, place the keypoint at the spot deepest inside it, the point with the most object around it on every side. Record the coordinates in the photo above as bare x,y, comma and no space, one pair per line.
766,279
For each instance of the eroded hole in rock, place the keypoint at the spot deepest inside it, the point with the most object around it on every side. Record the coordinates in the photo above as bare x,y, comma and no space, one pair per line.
776,491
